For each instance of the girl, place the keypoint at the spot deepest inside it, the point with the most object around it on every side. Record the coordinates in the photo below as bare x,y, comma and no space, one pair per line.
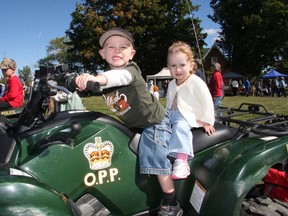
189,104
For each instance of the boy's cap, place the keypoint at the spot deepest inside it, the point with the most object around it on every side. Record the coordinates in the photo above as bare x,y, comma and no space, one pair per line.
115,31
8,63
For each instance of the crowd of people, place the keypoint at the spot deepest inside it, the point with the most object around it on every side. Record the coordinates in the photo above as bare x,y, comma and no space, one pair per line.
271,87
262,87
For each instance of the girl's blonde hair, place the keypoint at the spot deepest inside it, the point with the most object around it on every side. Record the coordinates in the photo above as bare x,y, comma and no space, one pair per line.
180,46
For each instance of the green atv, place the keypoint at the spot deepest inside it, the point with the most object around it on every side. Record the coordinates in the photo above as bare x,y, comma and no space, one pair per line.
80,162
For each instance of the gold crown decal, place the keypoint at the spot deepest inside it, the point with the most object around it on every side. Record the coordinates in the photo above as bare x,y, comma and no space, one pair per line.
99,154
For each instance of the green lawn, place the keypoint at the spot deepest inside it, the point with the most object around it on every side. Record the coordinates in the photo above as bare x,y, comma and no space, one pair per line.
272,104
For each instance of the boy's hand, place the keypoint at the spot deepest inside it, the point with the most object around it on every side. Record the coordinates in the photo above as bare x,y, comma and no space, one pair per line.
81,81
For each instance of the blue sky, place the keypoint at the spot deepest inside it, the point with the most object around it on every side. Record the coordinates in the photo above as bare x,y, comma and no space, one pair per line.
28,26
207,24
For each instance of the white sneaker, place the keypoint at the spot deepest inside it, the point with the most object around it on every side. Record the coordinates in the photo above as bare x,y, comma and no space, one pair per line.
180,169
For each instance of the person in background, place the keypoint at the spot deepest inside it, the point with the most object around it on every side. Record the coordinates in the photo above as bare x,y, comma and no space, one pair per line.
282,87
199,72
259,88
150,86
165,87
235,86
156,92
13,96
269,86
275,87
173,137
216,85
2,89
247,87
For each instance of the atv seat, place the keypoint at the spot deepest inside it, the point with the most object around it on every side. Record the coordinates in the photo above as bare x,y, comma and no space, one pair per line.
200,139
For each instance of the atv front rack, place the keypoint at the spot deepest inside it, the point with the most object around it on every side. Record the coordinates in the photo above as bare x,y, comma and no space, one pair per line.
254,118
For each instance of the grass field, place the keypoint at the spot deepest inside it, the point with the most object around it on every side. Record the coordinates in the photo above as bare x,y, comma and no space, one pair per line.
272,104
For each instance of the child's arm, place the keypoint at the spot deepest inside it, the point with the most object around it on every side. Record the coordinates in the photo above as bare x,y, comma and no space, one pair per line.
209,129
81,81
107,79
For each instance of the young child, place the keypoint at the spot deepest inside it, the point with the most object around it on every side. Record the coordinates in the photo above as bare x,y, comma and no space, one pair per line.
156,92
189,104
125,90
13,97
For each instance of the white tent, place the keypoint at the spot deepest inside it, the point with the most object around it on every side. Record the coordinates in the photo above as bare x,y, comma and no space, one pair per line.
159,78
163,74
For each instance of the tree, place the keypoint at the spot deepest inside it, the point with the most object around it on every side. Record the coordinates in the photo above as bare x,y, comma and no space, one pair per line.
57,53
155,24
25,75
254,33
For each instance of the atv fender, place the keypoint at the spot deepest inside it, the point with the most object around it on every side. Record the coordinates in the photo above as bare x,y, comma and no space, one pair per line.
24,195
226,173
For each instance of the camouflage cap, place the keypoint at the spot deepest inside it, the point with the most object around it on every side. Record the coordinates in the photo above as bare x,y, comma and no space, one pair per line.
115,31
8,63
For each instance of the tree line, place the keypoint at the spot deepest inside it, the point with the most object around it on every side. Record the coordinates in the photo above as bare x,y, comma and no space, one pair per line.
253,34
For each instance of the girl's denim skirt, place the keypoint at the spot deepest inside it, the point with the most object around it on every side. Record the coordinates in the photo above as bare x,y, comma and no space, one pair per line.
157,143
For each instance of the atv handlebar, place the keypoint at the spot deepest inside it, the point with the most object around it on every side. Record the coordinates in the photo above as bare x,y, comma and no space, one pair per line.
93,86
71,85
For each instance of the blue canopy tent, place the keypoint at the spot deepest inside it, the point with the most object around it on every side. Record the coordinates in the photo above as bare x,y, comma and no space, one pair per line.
273,74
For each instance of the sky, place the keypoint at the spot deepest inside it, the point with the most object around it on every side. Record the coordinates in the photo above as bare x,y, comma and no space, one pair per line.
28,26
207,24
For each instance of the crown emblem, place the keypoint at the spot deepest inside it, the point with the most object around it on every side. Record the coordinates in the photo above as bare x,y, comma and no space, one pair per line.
99,154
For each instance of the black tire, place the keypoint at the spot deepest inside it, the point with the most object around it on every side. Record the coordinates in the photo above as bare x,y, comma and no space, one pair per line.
264,206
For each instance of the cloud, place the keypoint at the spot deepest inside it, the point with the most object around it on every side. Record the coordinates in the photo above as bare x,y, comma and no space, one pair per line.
211,31
40,35
212,35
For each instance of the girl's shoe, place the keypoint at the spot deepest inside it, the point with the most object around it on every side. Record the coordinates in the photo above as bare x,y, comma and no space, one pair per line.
180,170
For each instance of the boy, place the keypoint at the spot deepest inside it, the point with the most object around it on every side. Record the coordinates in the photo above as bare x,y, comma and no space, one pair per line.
14,96
125,90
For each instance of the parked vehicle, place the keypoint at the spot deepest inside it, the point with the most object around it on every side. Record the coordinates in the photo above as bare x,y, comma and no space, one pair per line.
80,162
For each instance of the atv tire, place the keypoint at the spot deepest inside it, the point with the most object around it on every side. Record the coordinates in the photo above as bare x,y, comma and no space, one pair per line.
264,206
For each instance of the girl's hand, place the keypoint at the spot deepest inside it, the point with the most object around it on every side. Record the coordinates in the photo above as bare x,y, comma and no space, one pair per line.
209,129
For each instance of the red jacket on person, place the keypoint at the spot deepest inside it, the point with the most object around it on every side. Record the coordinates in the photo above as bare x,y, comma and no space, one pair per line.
14,93
216,84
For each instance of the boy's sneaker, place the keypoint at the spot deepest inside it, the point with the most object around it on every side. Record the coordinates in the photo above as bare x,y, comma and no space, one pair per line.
170,210
180,169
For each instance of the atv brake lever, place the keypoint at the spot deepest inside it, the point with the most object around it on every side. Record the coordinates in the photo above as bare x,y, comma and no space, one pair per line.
61,88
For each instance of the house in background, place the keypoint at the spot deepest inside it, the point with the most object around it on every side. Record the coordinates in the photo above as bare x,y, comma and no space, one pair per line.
212,55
